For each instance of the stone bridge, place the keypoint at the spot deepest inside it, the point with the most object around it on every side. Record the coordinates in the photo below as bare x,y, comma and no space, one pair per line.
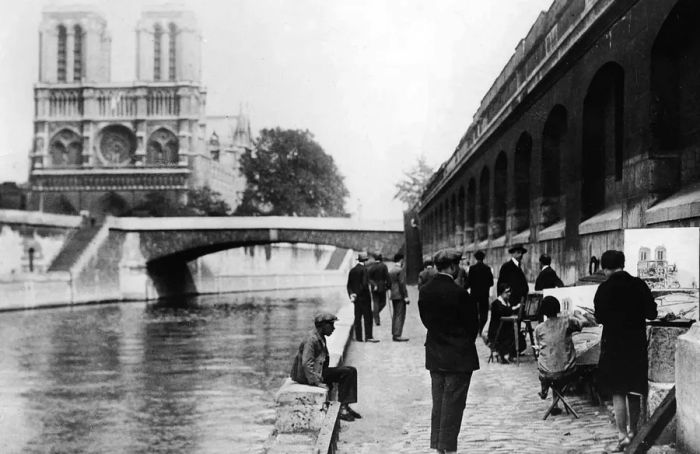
166,245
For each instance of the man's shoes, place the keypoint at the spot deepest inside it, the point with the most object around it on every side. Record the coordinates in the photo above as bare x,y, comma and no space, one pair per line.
353,413
400,339
359,340
371,339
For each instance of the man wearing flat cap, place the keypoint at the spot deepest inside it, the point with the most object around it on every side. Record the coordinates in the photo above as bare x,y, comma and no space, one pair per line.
358,291
450,315
512,274
310,366
480,283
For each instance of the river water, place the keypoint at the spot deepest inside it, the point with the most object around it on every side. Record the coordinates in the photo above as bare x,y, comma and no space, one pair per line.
193,376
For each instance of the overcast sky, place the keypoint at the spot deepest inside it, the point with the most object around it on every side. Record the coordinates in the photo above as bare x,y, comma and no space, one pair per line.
378,82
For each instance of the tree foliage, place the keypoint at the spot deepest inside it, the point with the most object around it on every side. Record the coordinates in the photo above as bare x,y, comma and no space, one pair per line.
200,202
411,186
289,174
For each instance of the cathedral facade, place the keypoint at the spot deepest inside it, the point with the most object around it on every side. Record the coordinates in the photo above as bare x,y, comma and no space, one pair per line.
103,146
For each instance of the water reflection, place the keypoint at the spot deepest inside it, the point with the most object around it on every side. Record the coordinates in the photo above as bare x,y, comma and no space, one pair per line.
195,375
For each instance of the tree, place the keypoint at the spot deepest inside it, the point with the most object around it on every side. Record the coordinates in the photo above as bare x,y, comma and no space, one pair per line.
288,173
410,188
200,202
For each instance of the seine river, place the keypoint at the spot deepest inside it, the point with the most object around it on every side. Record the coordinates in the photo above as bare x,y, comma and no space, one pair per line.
195,376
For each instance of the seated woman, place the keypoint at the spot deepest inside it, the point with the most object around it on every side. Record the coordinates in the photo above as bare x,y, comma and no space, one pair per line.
557,356
504,344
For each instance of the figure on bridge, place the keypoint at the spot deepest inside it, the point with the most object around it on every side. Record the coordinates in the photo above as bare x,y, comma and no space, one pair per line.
512,273
480,283
399,297
359,293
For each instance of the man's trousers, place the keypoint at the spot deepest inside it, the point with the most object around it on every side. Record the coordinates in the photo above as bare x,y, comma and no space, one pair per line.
378,303
482,301
399,317
346,377
363,312
449,391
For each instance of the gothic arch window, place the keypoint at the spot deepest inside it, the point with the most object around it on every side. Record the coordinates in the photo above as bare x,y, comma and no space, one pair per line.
157,37
172,51
77,53
66,149
162,148
61,56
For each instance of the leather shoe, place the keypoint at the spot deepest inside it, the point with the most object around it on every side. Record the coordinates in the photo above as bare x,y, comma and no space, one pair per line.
346,416
400,339
353,413
371,339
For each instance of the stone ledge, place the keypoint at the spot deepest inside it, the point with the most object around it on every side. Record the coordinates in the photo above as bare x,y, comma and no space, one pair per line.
609,219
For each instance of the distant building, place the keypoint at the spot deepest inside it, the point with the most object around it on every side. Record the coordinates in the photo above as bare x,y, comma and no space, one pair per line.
102,146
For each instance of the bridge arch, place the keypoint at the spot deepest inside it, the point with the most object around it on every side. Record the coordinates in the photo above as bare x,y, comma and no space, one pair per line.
484,210
521,172
500,195
553,136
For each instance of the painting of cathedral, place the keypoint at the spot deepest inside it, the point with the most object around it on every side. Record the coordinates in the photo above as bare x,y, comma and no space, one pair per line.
101,146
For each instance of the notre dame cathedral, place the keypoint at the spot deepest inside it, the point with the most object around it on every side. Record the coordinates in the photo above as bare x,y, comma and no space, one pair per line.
102,146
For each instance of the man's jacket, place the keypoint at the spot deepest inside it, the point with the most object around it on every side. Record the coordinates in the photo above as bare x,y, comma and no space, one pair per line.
397,276
311,359
358,283
378,274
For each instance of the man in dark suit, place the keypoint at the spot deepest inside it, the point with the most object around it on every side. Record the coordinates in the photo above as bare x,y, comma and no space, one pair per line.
480,283
427,274
548,277
451,317
511,273
378,274
358,291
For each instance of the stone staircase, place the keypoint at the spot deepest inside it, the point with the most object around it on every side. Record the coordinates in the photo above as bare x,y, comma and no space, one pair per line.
73,248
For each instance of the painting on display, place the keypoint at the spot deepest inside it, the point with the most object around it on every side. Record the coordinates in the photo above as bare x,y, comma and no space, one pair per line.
667,260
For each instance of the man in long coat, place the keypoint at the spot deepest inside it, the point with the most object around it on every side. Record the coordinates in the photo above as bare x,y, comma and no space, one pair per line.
511,273
358,291
451,317
378,274
480,283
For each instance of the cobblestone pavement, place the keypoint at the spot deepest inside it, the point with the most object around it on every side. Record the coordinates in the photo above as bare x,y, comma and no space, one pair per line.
503,413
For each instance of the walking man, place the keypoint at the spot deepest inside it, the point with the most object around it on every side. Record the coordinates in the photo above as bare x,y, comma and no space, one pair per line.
548,277
511,273
399,297
450,315
358,291
378,274
480,283
310,366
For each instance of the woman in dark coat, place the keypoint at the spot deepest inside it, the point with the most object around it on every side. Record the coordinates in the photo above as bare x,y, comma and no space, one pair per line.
504,344
622,303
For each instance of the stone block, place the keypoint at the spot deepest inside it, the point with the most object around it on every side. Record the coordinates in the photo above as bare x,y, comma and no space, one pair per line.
299,408
662,349
687,387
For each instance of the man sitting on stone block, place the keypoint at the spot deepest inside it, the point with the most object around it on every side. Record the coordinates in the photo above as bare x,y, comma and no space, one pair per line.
311,366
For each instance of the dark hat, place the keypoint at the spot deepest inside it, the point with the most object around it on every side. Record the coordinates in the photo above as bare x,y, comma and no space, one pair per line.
362,257
324,317
517,247
378,256
447,256
479,255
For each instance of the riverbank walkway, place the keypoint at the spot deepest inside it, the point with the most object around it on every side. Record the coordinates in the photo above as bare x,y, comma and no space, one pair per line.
503,412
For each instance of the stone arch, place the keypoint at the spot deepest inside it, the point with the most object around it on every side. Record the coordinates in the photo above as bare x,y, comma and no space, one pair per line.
500,195
66,149
162,148
482,230
471,210
675,111
602,148
117,145
109,203
553,135
522,170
